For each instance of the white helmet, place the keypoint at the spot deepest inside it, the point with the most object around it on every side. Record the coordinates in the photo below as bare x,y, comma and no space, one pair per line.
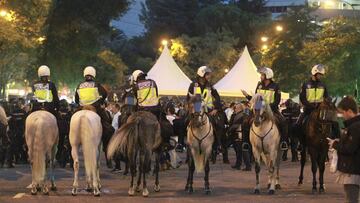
203,70
90,71
136,74
43,71
269,74
319,68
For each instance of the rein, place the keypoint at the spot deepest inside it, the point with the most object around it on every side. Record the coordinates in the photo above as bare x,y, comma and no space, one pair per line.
202,139
263,137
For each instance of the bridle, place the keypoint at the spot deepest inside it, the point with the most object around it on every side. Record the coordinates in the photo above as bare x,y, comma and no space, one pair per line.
203,122
263,137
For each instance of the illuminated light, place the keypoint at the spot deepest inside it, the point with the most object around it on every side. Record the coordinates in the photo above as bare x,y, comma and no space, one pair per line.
279,28
264,47
226,70
3,13
164,42
264,39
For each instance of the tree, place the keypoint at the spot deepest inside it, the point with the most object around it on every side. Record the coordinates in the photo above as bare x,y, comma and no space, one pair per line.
79,35
337,45
282,55
22,26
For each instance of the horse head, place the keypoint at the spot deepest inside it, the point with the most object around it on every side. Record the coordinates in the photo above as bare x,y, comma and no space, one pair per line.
327,111
197,109
261,110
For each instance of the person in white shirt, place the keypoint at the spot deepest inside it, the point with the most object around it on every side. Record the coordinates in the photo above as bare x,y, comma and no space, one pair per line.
115,110
174,158
229,111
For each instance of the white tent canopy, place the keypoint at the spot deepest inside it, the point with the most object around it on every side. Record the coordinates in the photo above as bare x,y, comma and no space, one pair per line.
168,76
243,76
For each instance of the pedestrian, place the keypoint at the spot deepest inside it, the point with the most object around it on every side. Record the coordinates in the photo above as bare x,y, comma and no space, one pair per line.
348,149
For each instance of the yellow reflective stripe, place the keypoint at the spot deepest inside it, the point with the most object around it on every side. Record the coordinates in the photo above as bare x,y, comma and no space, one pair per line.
88,96
147,97
197,90
43,95
315,95
208,98
269,95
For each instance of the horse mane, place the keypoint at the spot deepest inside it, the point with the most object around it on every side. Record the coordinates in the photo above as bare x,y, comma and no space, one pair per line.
89,108
3,118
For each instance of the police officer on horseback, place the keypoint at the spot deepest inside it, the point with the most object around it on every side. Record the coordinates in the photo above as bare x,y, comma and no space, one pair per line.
313,92
45,92
146,93
90,92
272,95
209,95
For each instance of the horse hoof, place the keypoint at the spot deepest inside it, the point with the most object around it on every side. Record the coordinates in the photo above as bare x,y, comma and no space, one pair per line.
33,191
207,191
89,189
145,192
157,188
277,187
96,193
53,188
190,190
257,191
137,189
321,190
300,183
271,192
45,191
314,191
268,186
131,191
74,192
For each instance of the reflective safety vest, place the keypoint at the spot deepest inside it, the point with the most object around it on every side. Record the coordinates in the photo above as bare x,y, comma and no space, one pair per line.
268,95
315,95
88,95
43,93
146,94
205,96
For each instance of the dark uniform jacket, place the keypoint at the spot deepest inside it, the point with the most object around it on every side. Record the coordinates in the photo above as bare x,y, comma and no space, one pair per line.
50,106
214,93
309,107
348,148
272,87
91,84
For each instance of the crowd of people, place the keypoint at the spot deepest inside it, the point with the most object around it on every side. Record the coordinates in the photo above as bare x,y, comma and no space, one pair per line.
231,121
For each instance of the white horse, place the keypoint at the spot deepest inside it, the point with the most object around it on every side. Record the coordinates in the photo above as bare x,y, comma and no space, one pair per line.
42,136
200,138
265,138
86,130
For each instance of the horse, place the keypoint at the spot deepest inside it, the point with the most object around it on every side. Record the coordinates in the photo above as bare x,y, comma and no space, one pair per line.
41,136
138,137
200,139
264,139
86,130
317,129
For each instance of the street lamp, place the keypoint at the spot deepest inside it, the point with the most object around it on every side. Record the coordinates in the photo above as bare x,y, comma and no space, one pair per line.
279,28
264,47
41,39
226,70
264,39
3,13
164,42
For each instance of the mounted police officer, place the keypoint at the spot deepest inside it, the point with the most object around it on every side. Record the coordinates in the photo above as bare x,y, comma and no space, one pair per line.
93,93
272,96
146,93
46,95
211,97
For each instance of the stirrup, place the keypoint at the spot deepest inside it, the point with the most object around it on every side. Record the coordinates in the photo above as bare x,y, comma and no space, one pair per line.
245,147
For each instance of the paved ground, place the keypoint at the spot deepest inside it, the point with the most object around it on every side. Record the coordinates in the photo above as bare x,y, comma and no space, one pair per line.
228,185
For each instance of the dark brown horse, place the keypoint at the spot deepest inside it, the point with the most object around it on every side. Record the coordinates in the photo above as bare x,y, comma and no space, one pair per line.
317,129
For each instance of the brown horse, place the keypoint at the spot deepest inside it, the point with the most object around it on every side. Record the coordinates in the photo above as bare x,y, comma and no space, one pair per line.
317,129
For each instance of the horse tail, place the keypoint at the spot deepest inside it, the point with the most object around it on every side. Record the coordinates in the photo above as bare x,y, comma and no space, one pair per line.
158,138
199,160
88,145
37,153
124,139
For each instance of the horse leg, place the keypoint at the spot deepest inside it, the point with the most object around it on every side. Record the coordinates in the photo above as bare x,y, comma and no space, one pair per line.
302,164
314,170
207,184
271,177
132,164
52,166
321,174
146,164
45,189
257,171
157,185
277,170
75,155
95,174
141,171
191,164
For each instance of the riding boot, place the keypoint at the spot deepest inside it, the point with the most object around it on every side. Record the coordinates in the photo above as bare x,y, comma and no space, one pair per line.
283,129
